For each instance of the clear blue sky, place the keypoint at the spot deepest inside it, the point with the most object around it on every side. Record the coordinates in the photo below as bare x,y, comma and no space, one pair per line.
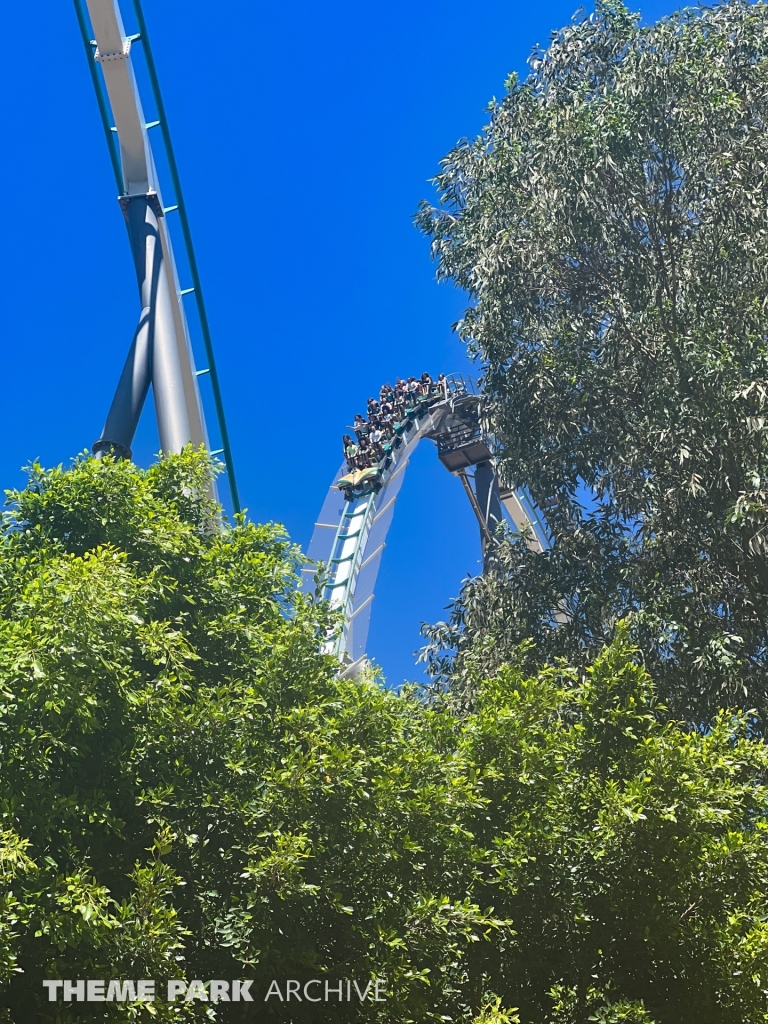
305,135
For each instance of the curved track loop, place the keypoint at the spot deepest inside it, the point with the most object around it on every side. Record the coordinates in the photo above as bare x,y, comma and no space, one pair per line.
350,533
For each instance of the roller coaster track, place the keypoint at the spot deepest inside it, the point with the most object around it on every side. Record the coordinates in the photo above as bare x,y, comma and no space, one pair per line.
351,530
350,534
161,353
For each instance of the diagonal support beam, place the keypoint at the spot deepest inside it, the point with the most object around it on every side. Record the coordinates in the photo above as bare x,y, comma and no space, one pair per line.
484,530
161,353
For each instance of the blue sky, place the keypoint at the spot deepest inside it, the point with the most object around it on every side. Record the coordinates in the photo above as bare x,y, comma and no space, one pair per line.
305,136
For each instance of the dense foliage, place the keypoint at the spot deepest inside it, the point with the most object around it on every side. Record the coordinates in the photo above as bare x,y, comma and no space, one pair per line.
611,228
187,791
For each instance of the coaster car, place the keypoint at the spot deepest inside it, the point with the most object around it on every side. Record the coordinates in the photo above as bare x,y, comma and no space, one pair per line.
359,478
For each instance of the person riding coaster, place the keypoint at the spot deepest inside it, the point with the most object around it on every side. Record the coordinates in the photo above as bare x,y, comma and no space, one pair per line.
350,451
389,419
360,427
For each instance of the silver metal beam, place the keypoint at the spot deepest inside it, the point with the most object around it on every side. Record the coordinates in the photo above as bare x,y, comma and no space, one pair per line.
161,352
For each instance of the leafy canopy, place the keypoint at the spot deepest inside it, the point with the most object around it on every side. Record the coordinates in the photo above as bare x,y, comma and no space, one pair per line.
188,791
611,228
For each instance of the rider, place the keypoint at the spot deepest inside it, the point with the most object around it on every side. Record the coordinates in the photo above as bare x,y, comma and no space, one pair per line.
376,438
350,451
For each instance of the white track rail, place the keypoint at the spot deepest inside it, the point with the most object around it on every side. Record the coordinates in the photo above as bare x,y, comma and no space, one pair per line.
350,536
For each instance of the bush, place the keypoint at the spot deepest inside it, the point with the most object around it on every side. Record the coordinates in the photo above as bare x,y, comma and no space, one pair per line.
187,791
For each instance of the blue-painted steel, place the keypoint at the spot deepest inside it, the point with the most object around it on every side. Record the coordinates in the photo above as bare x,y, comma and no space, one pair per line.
191,258
178,206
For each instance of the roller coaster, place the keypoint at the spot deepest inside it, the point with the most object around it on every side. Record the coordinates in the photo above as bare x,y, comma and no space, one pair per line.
351,530
350,534
161,353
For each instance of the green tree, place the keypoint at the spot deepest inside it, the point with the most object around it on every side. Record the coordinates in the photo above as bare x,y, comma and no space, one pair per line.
611,229
187,791
629,856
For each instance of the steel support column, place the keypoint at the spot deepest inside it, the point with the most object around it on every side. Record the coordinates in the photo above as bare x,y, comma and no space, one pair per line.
487,494
160,352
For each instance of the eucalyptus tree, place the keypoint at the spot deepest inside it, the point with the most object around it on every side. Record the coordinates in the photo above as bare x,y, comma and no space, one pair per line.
610,226
187,792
